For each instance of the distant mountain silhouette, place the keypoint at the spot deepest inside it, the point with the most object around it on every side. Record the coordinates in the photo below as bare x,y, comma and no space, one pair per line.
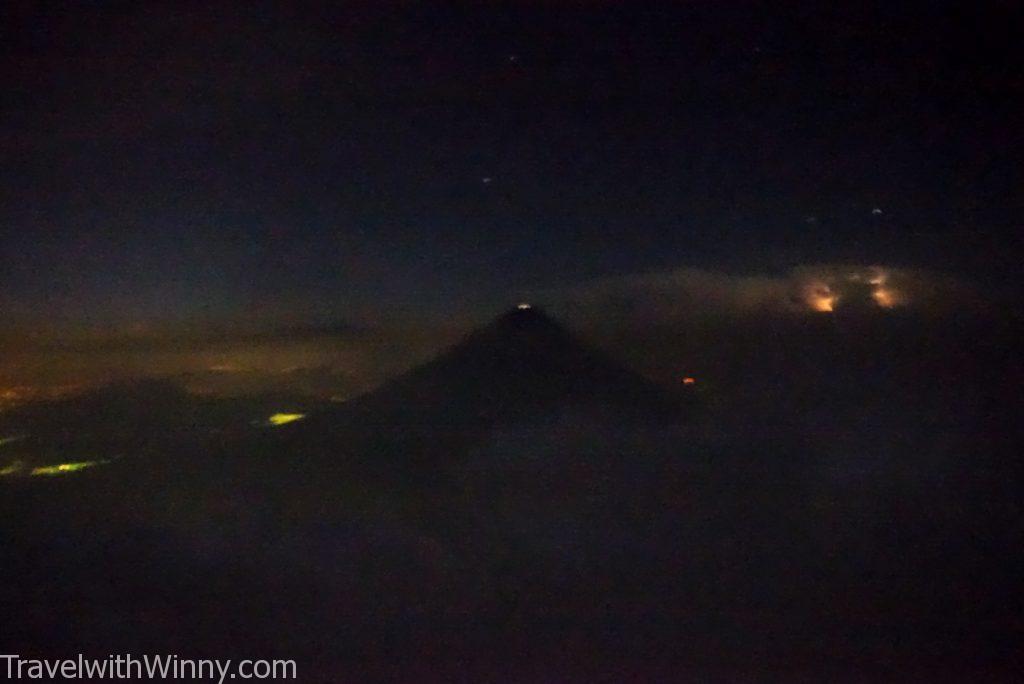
519,365
523,367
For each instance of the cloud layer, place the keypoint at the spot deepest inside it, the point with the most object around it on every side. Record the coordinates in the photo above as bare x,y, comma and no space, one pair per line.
688,293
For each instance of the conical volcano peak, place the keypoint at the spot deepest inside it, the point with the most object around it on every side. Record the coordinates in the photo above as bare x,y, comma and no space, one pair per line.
523,324
522,362
524,315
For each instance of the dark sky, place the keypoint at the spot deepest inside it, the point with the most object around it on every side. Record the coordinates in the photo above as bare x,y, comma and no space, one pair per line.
184,160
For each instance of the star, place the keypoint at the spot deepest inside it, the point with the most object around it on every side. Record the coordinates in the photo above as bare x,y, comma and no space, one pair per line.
486,180
876,212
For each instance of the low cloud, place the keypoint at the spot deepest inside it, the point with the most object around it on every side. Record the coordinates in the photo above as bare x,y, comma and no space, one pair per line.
688,293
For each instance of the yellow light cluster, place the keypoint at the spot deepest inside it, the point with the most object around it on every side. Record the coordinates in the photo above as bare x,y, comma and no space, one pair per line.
64,468
18,468
12,469
284,418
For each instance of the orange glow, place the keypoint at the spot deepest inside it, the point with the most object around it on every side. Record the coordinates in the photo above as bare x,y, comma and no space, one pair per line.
818,295
689,381
823,302
884,298
20,394
875,285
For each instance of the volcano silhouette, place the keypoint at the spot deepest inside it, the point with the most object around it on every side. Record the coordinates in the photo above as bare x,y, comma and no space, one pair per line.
521,365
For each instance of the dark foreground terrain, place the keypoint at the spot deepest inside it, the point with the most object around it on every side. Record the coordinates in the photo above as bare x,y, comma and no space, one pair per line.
523,510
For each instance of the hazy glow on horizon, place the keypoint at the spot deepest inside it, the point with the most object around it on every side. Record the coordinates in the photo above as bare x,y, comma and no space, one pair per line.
825,292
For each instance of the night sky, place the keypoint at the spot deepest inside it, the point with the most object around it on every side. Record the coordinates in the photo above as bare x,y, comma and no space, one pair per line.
292,161
511,341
